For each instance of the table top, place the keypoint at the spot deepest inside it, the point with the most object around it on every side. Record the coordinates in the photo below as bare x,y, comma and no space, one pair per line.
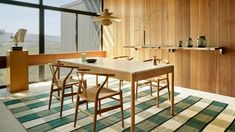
120,65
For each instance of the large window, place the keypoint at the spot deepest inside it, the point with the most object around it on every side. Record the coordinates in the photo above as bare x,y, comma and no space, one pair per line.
88,34
83,5
59,3
14,18
63,30
52,32
29,1
3,74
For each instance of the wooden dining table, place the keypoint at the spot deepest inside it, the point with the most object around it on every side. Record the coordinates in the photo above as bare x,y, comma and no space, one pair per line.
131,71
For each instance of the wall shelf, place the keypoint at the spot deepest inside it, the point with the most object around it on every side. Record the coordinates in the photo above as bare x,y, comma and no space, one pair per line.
142,47
172,49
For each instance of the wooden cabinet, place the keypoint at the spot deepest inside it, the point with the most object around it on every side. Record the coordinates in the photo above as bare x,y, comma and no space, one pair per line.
17,71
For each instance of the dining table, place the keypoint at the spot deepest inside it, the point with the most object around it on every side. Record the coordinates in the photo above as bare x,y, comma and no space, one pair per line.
130,71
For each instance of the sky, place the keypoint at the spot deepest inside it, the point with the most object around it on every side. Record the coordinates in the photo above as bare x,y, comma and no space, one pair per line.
15,17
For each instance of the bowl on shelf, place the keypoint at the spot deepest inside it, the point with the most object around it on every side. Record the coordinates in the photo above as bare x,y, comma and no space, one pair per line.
91,60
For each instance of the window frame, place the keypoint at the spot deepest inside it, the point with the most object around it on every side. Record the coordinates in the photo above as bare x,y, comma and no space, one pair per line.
42,9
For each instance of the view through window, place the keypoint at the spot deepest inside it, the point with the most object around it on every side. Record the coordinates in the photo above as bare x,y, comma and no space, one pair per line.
64,31
14,18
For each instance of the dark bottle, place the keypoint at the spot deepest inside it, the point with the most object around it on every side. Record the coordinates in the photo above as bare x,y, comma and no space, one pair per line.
201,41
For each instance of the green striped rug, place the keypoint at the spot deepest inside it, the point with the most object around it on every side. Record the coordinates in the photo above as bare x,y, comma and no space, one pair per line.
192,113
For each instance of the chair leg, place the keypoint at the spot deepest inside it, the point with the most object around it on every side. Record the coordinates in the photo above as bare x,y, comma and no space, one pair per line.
72,92
100,106
58,93
151,88
76,111
50,98
95,116
122,83
168,88
169,96
62,103
158,97
136,90
87,105
107,84
122,114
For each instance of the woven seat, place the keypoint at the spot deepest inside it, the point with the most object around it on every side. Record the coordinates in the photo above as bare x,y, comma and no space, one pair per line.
104,93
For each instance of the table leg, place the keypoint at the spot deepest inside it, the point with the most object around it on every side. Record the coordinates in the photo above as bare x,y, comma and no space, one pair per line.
132,106
97,80
172,93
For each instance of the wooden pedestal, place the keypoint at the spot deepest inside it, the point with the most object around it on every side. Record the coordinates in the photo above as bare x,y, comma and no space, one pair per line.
17,71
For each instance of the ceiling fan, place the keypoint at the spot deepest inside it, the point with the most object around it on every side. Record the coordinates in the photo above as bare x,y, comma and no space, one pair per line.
106,18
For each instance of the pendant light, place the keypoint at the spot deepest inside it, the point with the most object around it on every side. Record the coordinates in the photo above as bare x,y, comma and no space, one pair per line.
106,18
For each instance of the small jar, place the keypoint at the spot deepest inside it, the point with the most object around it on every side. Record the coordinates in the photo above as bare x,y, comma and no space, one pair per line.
189,42
180,44
201,41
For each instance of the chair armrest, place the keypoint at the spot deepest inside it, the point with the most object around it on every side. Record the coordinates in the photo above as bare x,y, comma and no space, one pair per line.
163,61
147,60
104,74
131,58
118,57
67,66
151,60
79,69
63,65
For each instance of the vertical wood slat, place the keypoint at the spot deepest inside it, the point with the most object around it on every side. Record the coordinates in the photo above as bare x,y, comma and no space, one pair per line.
231,47
186,54
176,20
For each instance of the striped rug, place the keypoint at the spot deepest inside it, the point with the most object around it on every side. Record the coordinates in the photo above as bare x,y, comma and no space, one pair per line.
191,113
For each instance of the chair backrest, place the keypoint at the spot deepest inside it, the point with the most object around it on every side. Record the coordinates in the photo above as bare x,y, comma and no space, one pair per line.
55,71
83,83
123,57
160,61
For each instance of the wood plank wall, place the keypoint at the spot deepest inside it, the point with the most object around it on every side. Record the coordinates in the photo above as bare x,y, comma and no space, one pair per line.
168,21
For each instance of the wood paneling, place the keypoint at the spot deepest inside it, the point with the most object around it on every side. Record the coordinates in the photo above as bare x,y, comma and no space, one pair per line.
168,21
231,47
223,40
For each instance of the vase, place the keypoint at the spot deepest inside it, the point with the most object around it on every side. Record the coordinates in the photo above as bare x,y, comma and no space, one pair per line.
201,41
189,42
180,44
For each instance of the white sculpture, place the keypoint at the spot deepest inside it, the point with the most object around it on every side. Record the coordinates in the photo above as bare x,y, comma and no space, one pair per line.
19,36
